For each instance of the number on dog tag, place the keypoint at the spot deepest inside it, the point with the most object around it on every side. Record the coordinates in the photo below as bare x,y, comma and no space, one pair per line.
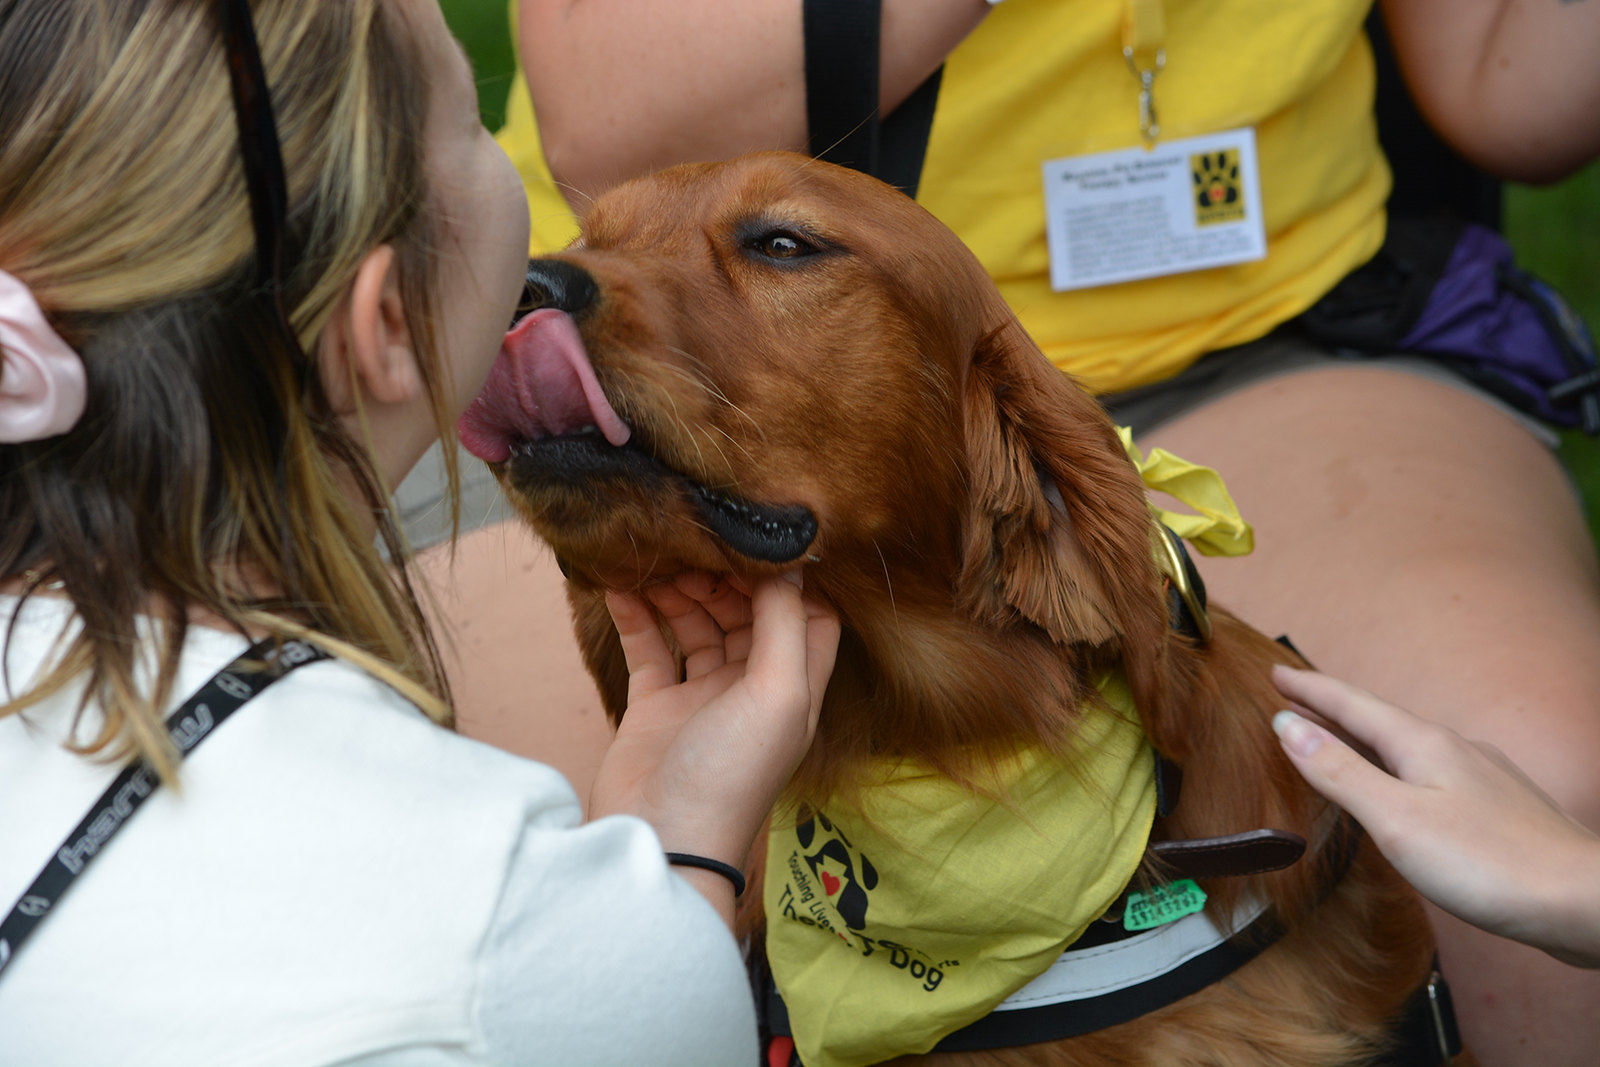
1162,905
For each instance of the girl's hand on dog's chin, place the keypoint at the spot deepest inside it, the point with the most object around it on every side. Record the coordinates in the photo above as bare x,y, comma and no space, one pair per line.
703,759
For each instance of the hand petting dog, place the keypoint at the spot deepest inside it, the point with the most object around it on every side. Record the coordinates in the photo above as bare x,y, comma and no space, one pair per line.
1462,822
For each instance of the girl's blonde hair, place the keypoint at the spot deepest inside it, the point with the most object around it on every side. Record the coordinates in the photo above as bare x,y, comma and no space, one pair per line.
208,464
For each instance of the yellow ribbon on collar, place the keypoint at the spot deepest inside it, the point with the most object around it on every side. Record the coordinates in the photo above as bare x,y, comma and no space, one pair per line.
1217,528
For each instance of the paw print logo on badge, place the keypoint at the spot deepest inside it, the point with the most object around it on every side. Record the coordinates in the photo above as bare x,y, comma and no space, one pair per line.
846,875
1218,192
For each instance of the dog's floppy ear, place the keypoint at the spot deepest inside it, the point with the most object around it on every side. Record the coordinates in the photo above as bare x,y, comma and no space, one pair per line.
1057,530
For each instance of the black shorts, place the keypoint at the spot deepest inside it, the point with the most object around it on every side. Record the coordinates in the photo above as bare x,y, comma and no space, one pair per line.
1281,352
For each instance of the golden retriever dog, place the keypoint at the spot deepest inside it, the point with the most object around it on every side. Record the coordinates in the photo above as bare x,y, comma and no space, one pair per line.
747,366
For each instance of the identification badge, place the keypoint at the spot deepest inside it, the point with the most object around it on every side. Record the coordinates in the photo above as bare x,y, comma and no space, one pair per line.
1140,213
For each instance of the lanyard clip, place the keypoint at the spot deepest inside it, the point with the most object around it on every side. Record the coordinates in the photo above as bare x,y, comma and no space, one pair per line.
1149,125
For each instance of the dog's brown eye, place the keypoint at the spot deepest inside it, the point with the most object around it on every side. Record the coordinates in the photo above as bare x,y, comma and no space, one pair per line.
779,244
782,246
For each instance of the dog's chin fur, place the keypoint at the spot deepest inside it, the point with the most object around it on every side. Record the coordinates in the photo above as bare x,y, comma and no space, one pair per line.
882,385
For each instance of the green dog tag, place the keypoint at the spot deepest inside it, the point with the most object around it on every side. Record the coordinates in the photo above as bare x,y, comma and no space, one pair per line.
1162,905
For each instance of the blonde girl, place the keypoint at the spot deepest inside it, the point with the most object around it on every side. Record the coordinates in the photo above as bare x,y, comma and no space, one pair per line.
254,260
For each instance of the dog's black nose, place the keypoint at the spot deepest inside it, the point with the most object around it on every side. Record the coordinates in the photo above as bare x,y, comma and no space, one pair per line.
555,283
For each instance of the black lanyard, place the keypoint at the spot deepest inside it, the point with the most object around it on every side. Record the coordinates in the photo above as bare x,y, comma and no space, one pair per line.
262,664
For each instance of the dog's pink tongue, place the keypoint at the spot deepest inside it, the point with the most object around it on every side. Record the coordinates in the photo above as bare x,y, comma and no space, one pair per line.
541,385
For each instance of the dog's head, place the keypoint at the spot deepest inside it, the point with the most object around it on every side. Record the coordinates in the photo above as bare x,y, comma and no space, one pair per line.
749,365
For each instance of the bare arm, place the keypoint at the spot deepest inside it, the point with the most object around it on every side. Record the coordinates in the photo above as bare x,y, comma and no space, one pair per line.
623,87
1513,85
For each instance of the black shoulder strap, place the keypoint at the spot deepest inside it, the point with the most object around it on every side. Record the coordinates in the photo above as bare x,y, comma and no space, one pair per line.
261,665
842,40
842,45
1427,172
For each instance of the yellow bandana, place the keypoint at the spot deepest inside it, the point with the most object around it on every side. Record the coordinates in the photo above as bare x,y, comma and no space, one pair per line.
894,926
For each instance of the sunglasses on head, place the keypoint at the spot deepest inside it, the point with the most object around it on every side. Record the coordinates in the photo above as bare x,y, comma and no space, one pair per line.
263,156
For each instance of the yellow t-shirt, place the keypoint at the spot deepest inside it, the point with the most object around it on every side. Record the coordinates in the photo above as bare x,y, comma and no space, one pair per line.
1045,79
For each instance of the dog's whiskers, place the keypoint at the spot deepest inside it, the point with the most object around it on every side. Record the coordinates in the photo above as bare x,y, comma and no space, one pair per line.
675,417
734,442
638,559
703,380
710,389
693,434
708,431
888,585
568,191
687,431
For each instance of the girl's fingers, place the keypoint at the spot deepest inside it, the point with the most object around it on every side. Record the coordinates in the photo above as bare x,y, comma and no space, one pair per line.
1334,769
699,635
738,646
722,597
651,664
791,649
822,648
1395,734
778,637
711,617
796,641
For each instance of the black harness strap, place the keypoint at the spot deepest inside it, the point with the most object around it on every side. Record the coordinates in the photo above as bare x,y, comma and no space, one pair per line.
199,716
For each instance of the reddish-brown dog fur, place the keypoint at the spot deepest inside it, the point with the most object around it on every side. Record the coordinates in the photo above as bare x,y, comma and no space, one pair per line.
882,383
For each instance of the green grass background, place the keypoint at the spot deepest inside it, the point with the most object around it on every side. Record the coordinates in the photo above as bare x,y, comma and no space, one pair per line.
483,27
1555,229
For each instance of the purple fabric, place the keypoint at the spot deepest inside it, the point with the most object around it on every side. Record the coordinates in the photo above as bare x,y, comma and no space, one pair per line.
1474,317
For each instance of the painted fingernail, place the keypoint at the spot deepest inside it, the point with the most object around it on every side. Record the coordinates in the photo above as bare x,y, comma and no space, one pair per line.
1298,736
796,577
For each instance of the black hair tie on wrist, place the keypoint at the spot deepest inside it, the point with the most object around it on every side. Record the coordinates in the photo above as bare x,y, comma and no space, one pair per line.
727,870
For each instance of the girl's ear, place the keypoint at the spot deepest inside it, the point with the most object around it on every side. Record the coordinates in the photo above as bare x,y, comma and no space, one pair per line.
367,350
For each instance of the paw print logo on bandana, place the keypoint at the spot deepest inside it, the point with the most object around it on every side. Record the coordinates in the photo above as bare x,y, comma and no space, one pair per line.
1218,192
846,875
